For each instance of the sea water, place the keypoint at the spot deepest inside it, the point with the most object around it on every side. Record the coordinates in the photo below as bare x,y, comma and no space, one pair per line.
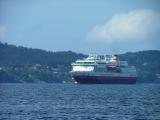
79,102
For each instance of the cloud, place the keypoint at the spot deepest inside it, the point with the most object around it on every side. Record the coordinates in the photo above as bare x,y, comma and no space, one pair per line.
137,25
3,30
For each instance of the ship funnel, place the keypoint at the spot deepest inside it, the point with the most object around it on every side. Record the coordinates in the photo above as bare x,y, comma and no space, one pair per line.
115,57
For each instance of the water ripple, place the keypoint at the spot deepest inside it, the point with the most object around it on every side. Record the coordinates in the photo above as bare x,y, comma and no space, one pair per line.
80,102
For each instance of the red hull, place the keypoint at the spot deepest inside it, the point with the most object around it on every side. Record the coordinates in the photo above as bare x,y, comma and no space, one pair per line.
105,80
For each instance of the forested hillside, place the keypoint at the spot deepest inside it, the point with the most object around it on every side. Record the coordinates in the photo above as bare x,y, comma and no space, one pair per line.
20,64
12,55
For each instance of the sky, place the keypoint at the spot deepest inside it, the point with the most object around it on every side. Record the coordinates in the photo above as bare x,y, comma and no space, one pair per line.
83,26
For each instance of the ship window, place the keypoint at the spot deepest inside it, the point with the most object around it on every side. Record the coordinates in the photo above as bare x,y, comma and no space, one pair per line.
102,63
85,62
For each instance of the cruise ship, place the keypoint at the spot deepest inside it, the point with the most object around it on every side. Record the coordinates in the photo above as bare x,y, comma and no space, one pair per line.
103,69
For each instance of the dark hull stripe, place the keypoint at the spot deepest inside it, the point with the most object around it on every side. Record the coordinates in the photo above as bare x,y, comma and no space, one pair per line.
105,80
